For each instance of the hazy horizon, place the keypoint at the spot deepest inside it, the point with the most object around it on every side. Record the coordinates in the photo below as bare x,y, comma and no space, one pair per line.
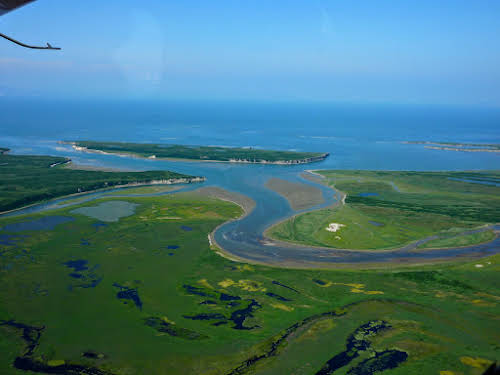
388,52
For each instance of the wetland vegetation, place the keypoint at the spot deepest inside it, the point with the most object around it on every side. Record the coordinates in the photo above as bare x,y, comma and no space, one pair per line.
197,312
384,210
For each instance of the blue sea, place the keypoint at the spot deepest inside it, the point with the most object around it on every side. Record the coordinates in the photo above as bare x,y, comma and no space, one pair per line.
357,136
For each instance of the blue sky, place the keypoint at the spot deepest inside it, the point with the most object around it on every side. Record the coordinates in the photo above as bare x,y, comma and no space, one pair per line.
438,52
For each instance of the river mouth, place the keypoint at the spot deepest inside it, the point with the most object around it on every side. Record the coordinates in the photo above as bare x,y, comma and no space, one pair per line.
244,238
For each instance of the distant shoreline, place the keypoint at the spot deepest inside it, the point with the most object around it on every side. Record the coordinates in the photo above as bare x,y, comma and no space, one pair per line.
451,146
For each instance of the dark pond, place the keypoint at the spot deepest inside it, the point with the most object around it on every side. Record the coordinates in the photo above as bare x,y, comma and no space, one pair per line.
284,286
92,355
207,316
376,223
161,325
195,290
88,277
208,302
31,335
368,195
186,228
10,240
172,247
278,297
127,293
319,282
77,265
382,361
239,316
356,343
43,223
228,297
99,225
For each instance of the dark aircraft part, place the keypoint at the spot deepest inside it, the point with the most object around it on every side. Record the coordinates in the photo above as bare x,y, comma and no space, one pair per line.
7,6
48,46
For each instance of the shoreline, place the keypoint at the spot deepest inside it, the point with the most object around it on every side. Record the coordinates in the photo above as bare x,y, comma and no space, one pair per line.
247,210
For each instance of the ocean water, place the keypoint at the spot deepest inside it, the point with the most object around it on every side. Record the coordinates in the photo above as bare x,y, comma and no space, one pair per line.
356,136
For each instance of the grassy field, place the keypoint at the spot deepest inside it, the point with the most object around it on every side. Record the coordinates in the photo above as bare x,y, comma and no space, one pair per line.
31,179
146,295
386,210
460,240
202,152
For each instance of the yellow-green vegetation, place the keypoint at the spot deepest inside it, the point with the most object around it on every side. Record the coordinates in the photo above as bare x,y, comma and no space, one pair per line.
385,210
143,295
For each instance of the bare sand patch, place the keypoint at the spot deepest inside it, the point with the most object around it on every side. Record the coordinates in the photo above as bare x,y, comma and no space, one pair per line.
300,196
245,202
334,227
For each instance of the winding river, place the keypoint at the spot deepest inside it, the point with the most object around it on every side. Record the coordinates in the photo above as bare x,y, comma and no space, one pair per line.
244,238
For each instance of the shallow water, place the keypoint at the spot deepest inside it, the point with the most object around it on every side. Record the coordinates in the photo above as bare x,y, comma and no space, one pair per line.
43,223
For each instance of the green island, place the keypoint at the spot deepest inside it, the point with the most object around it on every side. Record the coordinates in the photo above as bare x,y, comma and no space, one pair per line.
4,150
28,179
205,153
130,285
387,210
456,146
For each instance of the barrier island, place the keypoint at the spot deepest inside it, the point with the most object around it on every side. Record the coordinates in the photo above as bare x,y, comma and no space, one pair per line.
203,153
455,146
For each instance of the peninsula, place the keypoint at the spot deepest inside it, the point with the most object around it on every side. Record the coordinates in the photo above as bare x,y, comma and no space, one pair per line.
199,153
3,150
29,179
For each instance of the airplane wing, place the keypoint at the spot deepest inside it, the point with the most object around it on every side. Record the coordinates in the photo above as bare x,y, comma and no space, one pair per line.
7,6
